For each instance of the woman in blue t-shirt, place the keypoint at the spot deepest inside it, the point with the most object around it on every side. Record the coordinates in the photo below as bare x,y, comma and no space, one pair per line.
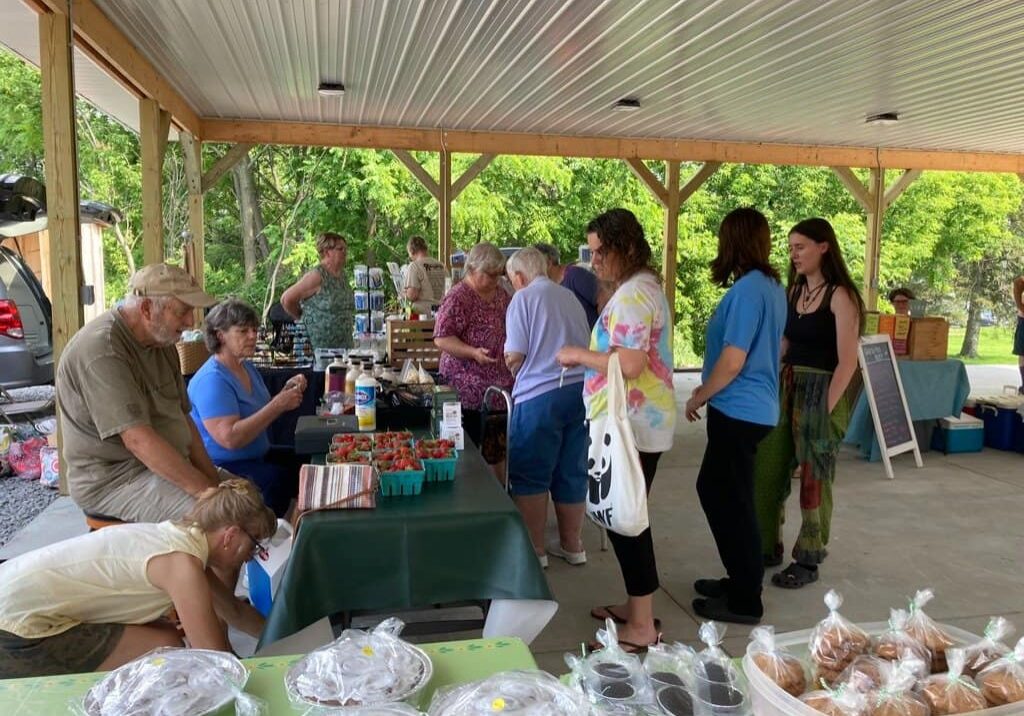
741,389
232,407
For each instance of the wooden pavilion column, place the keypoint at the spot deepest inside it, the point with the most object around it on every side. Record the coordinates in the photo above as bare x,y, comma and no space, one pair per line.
444,191
874,199
154,124
61,173
671,197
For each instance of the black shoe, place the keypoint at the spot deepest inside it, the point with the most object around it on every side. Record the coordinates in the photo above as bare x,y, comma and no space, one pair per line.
772,561
712,587
718,610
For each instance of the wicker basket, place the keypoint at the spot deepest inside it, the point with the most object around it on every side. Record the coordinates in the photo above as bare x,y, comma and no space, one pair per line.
192,355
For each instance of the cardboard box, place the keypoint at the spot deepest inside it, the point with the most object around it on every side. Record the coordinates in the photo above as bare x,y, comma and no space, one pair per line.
901,335
887,324
929,338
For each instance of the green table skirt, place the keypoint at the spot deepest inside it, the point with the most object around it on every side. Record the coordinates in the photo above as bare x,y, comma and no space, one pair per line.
455,662
457,541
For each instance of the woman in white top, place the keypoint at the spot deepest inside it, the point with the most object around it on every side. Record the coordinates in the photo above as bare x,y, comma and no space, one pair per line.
95,602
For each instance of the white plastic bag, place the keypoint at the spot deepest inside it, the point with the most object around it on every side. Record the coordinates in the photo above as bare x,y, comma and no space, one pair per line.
617,495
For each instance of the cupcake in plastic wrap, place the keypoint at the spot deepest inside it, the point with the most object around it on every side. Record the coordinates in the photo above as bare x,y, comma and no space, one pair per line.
511,693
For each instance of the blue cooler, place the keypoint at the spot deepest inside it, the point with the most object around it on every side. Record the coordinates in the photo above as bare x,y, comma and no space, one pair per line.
1002,422
959,434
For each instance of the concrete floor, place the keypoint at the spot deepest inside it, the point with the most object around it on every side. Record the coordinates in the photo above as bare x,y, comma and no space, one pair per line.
954,525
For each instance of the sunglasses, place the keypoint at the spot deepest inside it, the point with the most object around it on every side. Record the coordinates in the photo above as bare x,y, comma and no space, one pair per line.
258,550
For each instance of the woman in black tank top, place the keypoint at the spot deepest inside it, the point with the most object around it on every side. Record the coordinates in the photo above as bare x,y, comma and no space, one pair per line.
819,361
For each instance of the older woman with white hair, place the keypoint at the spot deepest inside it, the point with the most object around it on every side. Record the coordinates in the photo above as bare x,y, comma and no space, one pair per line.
547,434
470,331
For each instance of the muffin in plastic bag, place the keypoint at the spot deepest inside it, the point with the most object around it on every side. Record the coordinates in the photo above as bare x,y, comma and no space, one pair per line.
896,697
865,673
953,693
511,693
842,701
925,629
359,668
991,647
777,663
1002,682
835,642
172,682
611,677
897,643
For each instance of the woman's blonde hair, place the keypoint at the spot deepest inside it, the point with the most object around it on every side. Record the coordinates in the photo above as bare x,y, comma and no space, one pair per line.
329,240
233,503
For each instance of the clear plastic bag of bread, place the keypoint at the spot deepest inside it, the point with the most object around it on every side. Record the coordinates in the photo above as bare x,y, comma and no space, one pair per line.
927,631
1002,682
866,673
952,692
841,701
897,697
835,642
776,662
897,643
991,647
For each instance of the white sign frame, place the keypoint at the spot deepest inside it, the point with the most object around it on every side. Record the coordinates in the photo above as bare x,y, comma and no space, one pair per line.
911,445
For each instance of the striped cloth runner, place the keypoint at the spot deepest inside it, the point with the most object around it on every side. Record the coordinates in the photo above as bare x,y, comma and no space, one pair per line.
332,487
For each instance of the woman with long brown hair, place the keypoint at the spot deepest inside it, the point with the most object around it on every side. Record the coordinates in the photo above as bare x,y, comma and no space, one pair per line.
740,388
819,362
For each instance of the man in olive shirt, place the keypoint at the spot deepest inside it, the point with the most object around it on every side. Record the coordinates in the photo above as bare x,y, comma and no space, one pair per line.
132,451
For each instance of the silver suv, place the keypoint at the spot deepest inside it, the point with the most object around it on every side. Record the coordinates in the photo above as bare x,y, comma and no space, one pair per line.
26,349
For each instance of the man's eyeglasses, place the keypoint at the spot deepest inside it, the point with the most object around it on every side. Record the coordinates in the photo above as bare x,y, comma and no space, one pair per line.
258,550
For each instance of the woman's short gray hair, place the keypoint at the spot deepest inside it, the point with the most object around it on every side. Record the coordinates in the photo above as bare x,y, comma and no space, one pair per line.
530,262
226,315
485,257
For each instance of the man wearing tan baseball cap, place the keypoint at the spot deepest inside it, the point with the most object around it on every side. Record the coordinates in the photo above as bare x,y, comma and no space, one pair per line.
131,449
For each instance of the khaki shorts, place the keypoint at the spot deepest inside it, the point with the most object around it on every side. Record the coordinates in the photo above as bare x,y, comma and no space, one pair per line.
78,650
145,498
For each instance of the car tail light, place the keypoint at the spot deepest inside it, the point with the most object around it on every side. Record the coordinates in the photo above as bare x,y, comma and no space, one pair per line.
10,320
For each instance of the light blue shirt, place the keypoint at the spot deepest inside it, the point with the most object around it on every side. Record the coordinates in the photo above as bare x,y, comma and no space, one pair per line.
542,319
751,316
215,392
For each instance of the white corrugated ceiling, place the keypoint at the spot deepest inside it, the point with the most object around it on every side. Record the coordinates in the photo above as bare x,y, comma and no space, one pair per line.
799,71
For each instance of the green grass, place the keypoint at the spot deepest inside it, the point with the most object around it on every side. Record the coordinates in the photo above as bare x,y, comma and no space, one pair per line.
995,346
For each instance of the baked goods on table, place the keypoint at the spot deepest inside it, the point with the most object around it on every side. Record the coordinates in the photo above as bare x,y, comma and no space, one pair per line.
836,702
1002,682
835,642
923,628
990,647
510,692
777,663
952,693
896,696
897,643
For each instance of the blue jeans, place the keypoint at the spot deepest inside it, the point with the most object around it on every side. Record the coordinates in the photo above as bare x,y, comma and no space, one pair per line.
547,446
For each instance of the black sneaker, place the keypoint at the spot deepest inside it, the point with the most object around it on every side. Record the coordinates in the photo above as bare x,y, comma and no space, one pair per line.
718,610
712,587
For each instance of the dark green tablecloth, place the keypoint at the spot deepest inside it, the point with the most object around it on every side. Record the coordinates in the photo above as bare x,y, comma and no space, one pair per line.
460,540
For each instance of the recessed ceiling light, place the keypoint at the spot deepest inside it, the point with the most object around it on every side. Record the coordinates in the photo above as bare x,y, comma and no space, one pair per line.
331,89
626,104
883,119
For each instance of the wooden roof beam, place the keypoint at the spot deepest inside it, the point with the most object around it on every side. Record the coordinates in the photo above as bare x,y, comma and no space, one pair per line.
471,173
417,170
906,179
653,183
223,165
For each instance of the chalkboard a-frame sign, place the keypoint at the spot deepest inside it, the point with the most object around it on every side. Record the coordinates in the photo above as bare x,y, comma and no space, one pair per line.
888,402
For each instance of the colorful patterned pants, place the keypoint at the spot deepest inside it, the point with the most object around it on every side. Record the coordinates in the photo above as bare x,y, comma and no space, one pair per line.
802,446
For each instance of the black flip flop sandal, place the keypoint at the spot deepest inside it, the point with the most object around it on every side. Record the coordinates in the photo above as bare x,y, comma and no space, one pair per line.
616,618
795,576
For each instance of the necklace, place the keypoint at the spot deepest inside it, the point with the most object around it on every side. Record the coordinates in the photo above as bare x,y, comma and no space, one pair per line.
809,296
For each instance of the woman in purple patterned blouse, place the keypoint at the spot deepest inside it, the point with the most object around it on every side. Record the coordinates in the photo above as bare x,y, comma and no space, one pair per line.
470,331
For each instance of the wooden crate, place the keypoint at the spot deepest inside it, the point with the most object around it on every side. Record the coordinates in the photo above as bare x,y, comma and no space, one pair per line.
412,340
929,338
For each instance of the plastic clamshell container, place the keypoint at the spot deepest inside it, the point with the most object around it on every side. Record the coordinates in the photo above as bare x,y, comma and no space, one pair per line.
405,482
770,700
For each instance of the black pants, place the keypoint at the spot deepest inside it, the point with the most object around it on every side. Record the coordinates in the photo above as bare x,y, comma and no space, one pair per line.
725,486
636,554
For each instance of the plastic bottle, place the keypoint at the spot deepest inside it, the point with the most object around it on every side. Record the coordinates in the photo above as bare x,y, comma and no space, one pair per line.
354,371
334,376
366,403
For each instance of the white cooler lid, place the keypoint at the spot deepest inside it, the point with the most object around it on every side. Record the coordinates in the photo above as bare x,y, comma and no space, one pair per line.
961,422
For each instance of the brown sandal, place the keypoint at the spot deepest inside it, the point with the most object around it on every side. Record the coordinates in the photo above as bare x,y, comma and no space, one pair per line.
627,646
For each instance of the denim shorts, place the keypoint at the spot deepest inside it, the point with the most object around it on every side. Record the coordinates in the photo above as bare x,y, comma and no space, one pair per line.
78,650
547,446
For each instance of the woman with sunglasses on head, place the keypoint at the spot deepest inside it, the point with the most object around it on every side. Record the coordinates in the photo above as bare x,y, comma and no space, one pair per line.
323,299
819,357
96,602
635,325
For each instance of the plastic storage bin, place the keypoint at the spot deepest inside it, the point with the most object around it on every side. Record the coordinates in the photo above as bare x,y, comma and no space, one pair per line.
959,434
406,482
769,700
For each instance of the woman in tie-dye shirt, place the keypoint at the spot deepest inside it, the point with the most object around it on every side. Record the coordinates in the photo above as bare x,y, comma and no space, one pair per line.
634,324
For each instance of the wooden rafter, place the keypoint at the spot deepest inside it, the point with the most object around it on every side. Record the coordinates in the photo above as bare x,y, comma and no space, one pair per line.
901,184
653,183
419,172
698,179
457,141
471,173
223,165
854,185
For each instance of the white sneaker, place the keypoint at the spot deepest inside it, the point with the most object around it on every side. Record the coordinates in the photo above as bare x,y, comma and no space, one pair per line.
573,558
543,559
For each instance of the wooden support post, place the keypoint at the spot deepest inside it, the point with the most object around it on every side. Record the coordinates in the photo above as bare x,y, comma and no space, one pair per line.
195,248
668,269
444,210
873,245
154,124
61,173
